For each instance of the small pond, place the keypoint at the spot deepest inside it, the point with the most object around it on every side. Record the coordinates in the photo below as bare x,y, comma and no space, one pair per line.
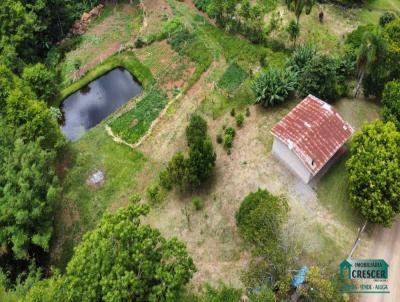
89,106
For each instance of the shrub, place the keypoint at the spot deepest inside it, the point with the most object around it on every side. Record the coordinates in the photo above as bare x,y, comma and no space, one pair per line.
139,42
391,103
198,203
386,18
239,119
155,194
301,56
274,86
219,139
293,30
318,77
233,112
260,218
165,180
354,38
229,135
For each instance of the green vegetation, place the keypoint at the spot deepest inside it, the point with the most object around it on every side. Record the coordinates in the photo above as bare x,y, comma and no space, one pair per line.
274,86
133,124
229,136
85,203
233,76
42,81
218,69
318,77
125,59
391,103
374,172
198,203
168,266
198,167
29,190
260,218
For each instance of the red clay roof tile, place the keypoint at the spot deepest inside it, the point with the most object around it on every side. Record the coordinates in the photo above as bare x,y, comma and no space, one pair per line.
314,131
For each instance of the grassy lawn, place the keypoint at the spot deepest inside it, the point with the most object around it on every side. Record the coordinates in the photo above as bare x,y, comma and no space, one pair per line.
82,205
373,9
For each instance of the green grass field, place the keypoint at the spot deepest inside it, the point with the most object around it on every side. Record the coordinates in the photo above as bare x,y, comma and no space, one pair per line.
82,205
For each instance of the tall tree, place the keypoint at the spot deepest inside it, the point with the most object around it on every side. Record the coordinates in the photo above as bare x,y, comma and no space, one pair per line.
42,81
123,260
374,172
28,191
371,53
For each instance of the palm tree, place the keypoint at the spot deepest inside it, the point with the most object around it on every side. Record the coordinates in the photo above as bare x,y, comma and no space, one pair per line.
370,54
297,6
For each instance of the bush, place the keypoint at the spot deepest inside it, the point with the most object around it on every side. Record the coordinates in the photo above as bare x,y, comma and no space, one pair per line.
139,42
386,18
318,77
155,194
198,203
391,103
239,119
229,135
354,38
301,56
260,218
274,86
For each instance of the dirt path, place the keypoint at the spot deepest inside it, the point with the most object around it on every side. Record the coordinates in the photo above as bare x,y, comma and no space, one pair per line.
387,246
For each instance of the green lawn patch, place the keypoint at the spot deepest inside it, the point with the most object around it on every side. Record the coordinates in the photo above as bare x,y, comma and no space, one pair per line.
81,205
332,191
132,125
233,76
126,59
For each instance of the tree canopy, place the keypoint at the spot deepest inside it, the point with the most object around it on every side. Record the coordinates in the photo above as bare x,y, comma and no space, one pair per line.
28,191
374,172
124,260
391,103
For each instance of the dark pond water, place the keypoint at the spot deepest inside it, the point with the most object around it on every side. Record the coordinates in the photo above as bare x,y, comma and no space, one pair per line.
89,106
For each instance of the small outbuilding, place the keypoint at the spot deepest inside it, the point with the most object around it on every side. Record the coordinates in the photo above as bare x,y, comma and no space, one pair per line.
309,137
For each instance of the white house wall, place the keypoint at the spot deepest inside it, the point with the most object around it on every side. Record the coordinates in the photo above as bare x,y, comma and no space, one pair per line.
285,155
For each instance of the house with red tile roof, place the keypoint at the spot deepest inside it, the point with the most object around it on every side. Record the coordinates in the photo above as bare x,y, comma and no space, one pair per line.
309,137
